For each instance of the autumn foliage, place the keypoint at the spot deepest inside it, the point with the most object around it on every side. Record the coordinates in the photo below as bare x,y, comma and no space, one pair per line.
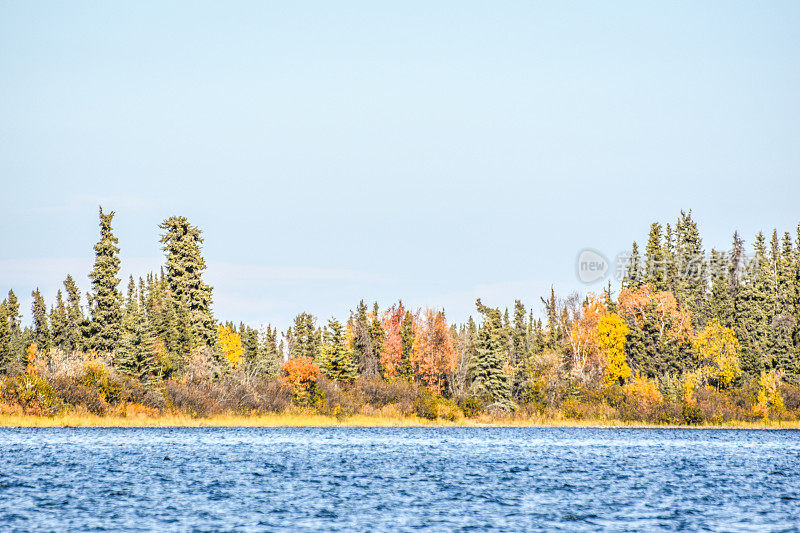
301,374
434,357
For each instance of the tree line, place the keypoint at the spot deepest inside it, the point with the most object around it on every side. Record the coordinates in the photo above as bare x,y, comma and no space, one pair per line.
682,324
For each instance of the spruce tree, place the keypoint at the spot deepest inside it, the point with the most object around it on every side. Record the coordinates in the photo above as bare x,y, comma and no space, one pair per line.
6,353
488,378
782,325
58,324
41,329
303,338
336,362
75,323
363,351
377,335
105,301
404,369
185,266
14,318
654,266
135,356
691,280
753,312
633,271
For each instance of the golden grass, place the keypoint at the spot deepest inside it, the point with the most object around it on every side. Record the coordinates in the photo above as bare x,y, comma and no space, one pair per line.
136,419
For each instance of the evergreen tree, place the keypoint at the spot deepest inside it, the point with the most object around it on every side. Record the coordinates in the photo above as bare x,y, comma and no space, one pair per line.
488,377
654,266
105,300
404,369
633,271
720,303
377,335
753,312
185,266
691,281
76,323
782,326
303,338
136,355
363,351
6,353
14,318
520,348
58,324
270,357
336,361
41,330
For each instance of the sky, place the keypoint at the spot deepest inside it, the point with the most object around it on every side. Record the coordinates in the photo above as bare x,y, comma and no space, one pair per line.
434,152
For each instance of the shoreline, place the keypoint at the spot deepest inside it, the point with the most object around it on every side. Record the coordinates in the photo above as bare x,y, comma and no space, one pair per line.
366,421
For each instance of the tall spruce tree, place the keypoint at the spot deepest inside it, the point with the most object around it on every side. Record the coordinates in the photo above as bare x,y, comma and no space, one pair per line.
185,266
303,337
691,281
336,361
105,301
633,270
14,318
753,312
488,378
58,324
654,264
6,353
41,329
136,356
75,323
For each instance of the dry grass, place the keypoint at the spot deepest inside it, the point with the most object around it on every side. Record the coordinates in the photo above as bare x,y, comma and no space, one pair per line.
136,416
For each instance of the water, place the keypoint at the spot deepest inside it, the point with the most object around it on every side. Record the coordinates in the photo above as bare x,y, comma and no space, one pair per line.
398,479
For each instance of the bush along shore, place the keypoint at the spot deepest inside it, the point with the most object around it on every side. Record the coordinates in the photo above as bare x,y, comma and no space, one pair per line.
688,338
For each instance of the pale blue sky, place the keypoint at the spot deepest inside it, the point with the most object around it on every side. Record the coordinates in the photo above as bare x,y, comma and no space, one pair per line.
429,151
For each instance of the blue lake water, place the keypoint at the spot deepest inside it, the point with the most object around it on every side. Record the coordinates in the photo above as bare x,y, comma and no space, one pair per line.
392,479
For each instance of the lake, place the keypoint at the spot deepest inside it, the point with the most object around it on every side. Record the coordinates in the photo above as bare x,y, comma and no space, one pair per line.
393,479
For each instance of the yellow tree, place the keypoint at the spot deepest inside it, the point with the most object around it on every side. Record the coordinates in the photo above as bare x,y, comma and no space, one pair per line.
231,345
611,334
717,351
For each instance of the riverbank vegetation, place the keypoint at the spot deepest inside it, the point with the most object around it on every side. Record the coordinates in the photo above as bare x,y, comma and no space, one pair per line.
688,338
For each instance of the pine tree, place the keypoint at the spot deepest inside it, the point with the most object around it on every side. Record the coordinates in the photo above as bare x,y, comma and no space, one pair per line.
270,357
377,335
782,325
520,348
76,323
105,300
720,303
407,340
41,330
691,280
753,312
633,271
14,318
185,266
136,356
654,266
303,338
6,353
336,361
363,351
58,324
488,377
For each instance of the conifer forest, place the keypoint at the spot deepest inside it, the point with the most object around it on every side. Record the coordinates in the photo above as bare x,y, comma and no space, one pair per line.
689,336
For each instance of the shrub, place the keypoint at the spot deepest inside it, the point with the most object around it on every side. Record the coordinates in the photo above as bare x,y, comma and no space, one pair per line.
425,405
471,406
692,415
